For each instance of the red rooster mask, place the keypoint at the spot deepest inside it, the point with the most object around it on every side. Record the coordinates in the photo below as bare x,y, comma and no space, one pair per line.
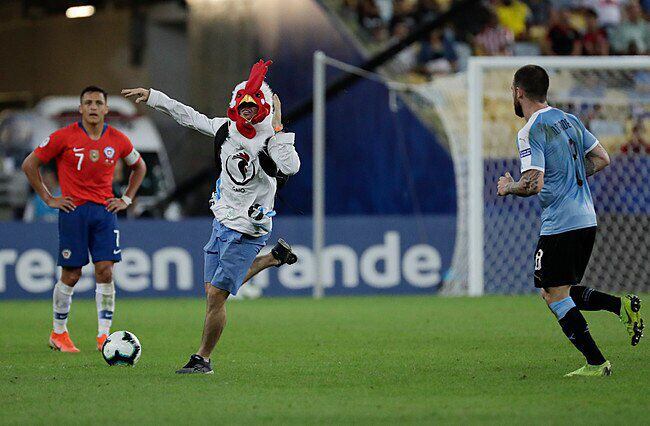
251,93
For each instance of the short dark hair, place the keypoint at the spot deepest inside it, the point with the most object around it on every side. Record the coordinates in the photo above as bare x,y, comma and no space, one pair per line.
90,89
533,79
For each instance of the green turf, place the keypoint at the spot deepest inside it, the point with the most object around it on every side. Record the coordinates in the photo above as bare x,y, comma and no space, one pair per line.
363,360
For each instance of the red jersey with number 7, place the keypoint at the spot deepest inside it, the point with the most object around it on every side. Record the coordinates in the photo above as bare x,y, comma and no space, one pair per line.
85,167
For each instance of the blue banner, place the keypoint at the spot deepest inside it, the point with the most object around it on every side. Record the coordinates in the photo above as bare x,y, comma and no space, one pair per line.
363,255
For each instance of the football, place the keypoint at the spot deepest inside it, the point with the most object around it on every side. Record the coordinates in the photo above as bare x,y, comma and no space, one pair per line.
121,348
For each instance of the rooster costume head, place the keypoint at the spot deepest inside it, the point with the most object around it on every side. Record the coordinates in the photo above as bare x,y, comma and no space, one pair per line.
250,95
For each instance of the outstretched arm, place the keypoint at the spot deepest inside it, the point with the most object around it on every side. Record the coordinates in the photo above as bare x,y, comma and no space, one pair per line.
183,114
531,183
596,160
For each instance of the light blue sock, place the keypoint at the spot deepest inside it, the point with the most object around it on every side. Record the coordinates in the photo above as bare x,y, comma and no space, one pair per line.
561,307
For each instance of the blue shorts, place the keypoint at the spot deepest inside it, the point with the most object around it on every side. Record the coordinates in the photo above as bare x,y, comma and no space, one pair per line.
228,255
90,227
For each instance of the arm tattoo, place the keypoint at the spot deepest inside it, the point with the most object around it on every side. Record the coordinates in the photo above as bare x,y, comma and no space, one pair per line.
596,160
527,185
590,166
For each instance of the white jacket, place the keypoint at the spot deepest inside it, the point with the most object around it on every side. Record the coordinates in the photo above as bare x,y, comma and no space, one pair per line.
243,186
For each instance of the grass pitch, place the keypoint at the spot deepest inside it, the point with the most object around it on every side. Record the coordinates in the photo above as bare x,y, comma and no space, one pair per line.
366,360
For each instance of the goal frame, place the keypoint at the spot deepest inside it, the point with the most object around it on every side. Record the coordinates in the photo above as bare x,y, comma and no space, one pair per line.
321,61
475,180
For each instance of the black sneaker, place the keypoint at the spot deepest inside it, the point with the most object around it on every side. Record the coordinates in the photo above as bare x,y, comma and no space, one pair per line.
282,252
196,365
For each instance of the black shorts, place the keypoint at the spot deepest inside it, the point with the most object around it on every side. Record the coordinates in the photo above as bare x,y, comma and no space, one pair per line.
561,259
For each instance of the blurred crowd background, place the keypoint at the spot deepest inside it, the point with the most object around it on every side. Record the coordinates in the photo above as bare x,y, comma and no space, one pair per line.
524,28
508,27
186,48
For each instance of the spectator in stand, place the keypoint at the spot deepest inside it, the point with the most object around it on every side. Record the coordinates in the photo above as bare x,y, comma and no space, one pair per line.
609,11
369,18
385,10
632,37
513,15
540,11
594,40
494,39
403,11
426,9
562,38
438,56
402,14
637,144
406,59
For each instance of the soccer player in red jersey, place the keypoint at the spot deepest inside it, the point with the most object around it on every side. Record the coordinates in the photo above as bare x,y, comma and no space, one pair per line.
86,153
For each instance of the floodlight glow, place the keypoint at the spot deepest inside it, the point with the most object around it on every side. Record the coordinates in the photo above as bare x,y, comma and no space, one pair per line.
80,11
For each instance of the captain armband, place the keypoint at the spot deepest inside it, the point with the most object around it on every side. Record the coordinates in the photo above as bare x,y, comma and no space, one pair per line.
132,158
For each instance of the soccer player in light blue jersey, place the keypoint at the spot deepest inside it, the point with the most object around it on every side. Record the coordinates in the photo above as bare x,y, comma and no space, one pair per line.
557,155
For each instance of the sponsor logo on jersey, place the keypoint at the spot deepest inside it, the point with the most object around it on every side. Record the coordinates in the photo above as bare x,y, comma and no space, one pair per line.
240,169
256,212
45,142
94,155
66,253
109,152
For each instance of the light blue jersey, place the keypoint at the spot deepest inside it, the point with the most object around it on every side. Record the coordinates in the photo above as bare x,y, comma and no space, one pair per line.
556,143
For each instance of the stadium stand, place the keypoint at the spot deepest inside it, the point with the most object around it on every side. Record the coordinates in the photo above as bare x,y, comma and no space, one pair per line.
513,27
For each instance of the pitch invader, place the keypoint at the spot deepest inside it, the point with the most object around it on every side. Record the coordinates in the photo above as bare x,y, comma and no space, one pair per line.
86,153
557,155
252,155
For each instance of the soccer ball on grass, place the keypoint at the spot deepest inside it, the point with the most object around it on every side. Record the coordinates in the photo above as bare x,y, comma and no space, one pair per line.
121,348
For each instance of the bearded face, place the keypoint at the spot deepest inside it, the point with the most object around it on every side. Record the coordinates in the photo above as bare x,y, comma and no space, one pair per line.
519,111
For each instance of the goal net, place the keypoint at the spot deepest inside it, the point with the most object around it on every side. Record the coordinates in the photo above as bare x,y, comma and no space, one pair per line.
390,222
496,236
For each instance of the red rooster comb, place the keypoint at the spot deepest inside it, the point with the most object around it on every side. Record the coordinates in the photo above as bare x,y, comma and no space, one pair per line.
258,72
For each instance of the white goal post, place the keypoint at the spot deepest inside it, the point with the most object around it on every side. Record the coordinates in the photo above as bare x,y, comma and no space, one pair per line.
496,236
321,61
318,178
612,71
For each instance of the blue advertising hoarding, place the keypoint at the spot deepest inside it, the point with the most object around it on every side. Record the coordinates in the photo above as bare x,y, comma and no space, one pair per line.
363,255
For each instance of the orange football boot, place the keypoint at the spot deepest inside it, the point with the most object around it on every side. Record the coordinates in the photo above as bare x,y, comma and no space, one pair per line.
61,342
100,341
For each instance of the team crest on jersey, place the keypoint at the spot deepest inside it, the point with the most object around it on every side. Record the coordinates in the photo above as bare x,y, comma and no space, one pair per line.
45,142
240,168
109,152
66,253
94,155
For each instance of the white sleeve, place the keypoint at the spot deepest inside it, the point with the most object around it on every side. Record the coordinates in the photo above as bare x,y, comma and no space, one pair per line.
284,154
183,114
